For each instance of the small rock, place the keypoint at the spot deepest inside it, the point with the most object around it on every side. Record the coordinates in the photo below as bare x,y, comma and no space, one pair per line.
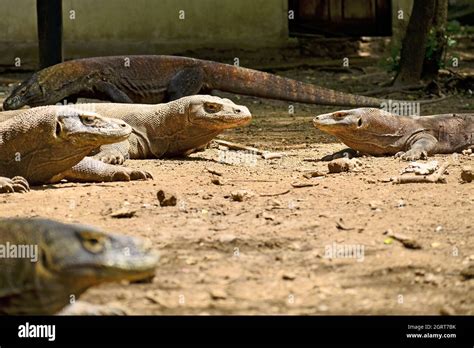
240,195
207,196
343,165
374,205
447,310
439,228
407,242
401,203
435,245
288,276
268,216
227,238
313,174
467,152
218,294
166,199
123,213
217,181
468,272
467,174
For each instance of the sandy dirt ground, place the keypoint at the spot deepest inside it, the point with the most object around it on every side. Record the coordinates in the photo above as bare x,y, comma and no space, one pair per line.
268,254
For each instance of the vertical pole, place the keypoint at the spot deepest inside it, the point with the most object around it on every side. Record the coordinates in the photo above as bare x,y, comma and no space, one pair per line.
50,32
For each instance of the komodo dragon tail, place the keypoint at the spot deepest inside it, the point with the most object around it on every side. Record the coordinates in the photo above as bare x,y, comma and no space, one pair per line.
260,84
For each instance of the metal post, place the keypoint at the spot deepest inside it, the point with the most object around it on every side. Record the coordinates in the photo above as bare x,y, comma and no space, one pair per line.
50,32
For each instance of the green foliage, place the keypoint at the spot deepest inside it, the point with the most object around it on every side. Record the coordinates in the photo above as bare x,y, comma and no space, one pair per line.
433,44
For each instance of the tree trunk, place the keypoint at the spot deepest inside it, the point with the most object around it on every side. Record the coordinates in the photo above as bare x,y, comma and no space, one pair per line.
434,59
413,47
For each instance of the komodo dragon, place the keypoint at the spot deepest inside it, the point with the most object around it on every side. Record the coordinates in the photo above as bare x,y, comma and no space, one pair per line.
165,130
377,132
155,79
45,264
48,144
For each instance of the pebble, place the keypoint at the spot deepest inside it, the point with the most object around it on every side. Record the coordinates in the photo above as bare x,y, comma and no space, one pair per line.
166,199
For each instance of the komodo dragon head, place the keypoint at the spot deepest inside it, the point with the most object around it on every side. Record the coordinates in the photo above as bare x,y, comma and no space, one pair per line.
213,113
42,142
368,130
68,259
45,87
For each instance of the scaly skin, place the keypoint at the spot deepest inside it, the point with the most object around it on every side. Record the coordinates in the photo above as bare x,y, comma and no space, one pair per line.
70,259
47,144
376,132
156,79
165,130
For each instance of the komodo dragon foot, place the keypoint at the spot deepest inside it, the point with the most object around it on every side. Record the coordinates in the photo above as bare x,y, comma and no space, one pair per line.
412,155
16,184
92,170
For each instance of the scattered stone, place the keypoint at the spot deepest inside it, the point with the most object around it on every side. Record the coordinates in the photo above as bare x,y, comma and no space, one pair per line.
439,228
124,213
227,238
420,168
217,181
468,272
374,205
467,174
406,241
214,171
268,216
435,245
341,225
240,195
303,184
166,199
447,310
401,203
288,276
343,165
218,294
467,152
313,174
430,278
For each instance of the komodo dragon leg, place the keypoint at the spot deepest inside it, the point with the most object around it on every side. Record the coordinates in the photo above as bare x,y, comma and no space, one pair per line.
188,81
113,153
110,90
15,184
419,147
93,170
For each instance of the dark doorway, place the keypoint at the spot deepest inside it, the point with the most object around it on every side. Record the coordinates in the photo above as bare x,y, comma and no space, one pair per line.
341,17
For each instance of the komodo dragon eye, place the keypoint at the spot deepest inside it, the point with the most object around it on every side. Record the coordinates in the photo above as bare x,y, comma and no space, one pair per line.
88,120
212,107
92,242
359,122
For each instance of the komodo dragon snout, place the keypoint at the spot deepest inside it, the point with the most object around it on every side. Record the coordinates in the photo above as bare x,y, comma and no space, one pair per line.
377,132
63,260
88,127
217,113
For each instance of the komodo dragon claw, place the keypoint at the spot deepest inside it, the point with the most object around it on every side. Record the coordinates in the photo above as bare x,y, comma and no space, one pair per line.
16,184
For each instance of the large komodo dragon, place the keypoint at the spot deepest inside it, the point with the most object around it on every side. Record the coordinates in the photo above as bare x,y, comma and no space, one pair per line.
48,144
377,132
165,130
46,264
156,79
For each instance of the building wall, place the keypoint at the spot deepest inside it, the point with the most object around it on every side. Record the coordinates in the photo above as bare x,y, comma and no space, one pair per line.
98,27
